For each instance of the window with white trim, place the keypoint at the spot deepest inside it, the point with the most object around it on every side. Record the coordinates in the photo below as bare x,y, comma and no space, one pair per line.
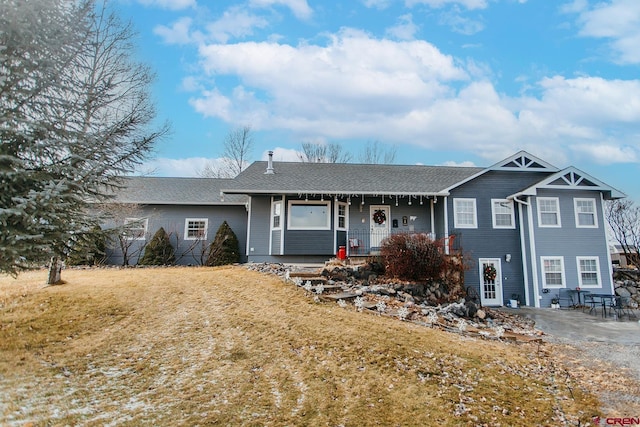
309,216
342,216
464,213
589,272
196,228
585,210
135,228
548,212
503,213
276,215
552,272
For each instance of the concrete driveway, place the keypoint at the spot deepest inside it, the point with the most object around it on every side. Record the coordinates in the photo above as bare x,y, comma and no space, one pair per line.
575,326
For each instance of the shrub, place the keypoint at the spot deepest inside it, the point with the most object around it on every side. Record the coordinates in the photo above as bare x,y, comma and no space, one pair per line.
159,251
225,248
413,257
88,249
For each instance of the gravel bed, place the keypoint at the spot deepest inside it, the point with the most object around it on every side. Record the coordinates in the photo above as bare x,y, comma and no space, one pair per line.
610,370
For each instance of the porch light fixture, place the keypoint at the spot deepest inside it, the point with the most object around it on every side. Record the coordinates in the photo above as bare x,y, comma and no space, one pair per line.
362,203
306,197
421,200
409,201
349,201
507,257
396,200
322,197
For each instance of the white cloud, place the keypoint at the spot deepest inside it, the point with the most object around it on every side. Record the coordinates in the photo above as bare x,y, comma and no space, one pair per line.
616,20
282,155
169,4
177,33
469,4
189,167
213,104
461,24
377,4
235,22
608,153
405,29
300,8
465,164
408,92
592,100
353,72
576,6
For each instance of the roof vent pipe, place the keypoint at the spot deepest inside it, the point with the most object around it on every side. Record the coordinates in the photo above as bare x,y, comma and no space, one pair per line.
269,170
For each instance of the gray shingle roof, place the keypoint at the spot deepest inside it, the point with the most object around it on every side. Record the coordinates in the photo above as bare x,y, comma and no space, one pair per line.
347,178
175,191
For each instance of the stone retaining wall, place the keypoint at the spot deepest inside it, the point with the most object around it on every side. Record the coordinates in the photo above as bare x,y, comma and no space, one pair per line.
627,285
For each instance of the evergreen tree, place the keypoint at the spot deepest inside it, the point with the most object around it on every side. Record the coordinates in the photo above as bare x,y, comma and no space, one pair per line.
74,115
159,251
88,249
225,248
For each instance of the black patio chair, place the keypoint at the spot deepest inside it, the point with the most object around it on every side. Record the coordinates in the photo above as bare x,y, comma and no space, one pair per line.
621,307
565,299
592,302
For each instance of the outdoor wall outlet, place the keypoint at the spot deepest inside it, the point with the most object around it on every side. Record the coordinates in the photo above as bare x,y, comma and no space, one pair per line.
251,249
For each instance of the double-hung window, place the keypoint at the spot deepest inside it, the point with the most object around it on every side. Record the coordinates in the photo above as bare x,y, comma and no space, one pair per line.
464,213
135,228
196,228
342,216
552,272
548,212
502,213
588,272
585,210
276,215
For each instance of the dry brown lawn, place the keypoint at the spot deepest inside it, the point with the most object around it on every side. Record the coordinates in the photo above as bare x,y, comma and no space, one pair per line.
227,346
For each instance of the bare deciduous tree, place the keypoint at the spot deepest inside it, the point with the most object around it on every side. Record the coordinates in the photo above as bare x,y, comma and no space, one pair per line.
238,145
623,217
374,153
125,233
313,152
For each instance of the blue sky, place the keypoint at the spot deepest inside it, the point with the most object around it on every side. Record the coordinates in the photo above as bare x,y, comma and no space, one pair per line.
462,82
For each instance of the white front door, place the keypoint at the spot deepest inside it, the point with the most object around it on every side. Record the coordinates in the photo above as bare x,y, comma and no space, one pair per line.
379,218
490,281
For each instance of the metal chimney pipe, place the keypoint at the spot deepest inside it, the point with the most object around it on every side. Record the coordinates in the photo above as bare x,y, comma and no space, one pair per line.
269,170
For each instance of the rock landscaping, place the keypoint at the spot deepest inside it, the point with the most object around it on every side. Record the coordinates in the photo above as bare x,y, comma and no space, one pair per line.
363,288
627,285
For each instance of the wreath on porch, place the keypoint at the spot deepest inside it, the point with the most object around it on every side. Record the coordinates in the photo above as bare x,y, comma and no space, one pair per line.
490,273
379,217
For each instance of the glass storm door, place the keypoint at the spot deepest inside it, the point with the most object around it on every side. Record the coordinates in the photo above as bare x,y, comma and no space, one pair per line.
379,219
490,284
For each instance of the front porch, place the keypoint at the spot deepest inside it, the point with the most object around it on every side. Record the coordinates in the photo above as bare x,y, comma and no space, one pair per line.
365,242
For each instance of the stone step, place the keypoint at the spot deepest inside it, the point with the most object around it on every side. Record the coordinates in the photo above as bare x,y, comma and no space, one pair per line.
316,280
303,274
341,295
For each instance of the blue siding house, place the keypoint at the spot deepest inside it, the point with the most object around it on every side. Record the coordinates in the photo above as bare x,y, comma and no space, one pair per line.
189,209
540,229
